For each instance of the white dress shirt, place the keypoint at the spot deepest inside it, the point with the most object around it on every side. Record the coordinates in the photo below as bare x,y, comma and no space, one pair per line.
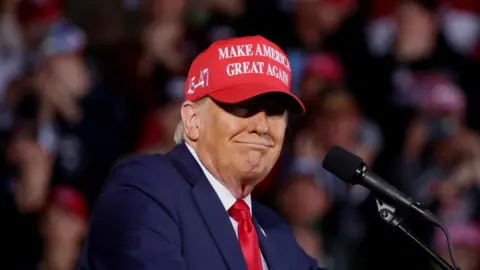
225,196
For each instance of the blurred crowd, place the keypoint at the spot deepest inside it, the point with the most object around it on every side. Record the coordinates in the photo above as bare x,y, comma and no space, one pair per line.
86,83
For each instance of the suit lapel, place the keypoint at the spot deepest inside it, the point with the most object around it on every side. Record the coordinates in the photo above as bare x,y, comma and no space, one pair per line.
219,224
269,249
210,206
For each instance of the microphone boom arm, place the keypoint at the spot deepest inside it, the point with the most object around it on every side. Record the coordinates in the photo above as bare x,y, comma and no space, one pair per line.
387,213
351,169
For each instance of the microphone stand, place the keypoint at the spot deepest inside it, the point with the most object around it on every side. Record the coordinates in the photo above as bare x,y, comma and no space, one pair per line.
387,213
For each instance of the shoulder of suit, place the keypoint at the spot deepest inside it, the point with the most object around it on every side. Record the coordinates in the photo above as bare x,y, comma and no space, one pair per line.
145,170
155,160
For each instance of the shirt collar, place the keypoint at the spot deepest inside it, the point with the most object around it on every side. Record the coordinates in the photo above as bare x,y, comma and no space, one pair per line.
223,193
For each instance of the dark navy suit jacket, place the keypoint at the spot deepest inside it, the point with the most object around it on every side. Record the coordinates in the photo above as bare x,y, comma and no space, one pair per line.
160,212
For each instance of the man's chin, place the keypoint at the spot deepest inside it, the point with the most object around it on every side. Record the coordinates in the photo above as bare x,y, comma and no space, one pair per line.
254,174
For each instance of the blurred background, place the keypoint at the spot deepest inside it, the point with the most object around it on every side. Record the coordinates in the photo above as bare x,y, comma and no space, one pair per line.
87,83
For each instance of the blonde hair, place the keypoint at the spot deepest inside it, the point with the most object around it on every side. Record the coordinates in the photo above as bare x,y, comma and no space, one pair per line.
179,135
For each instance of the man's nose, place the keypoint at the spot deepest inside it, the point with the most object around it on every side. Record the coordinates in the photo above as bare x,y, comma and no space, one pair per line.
259,123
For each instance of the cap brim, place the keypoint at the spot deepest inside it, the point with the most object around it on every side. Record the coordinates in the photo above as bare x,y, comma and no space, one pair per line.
241,93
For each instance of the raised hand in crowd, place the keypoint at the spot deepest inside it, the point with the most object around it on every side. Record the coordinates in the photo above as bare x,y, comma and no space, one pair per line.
61,82
161,42
33,165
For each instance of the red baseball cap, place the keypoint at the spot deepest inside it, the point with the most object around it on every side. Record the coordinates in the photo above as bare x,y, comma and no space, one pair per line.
325,65
237,69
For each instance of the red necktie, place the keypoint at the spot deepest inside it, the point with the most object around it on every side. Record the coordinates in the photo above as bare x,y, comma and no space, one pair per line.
247,236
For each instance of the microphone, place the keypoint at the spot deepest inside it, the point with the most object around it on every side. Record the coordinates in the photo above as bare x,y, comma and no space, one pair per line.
352,170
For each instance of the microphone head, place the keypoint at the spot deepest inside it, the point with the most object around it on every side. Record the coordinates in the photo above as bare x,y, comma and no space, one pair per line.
342,164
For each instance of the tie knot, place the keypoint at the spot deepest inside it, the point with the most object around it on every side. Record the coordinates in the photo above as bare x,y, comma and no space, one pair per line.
240,211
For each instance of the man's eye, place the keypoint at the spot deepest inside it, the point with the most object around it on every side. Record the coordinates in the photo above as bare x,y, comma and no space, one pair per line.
241,112
276,111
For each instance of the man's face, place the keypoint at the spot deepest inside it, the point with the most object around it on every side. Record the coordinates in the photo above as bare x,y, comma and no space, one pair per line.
244,139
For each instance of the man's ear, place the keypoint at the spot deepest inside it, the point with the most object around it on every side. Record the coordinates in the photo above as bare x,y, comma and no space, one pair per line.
191,120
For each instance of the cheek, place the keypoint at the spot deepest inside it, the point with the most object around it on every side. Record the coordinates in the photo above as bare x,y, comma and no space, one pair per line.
219,132
228,129
277,131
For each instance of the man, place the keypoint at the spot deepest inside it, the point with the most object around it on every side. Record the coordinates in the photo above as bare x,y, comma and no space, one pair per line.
176,211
